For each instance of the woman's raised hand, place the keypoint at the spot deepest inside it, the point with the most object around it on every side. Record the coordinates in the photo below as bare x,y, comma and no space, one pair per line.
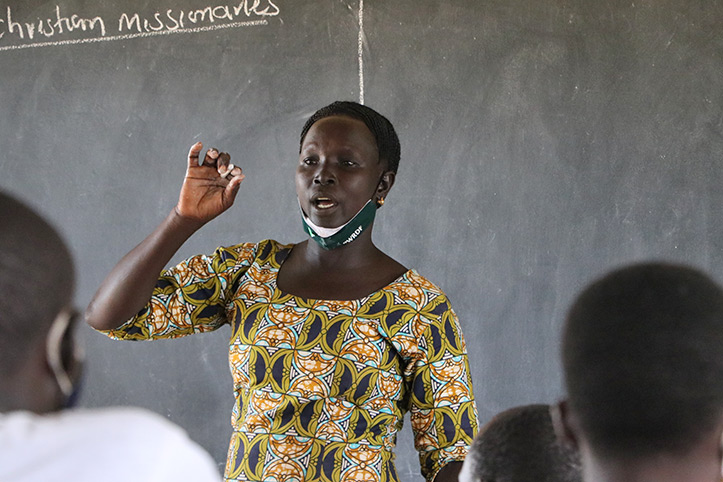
208,190
209,187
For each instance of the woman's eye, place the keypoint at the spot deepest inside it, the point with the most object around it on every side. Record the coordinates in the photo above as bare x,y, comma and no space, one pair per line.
308,161
348,163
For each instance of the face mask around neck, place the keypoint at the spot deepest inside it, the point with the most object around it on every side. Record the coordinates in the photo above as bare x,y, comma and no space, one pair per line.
331,238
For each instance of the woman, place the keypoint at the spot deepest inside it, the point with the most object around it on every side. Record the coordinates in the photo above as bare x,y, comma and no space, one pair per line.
332,341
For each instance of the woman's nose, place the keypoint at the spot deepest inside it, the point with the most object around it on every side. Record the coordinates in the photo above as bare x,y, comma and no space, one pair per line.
324,175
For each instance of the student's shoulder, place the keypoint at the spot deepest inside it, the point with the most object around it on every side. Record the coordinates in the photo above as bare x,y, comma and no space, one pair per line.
86,436
126,421
130,426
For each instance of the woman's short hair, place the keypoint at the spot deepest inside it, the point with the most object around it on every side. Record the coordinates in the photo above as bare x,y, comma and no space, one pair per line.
380,127
643,360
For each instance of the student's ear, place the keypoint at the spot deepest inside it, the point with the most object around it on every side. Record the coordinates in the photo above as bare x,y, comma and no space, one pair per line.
564,423
64,355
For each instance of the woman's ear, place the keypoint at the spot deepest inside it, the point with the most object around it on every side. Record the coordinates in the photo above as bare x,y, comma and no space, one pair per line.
564,423
385,184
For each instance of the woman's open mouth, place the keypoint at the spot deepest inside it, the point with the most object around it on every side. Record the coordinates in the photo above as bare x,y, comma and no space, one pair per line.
323,203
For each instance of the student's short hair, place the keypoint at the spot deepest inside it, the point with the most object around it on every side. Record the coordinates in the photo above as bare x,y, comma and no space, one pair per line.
36,280
643,360
380,127
519,445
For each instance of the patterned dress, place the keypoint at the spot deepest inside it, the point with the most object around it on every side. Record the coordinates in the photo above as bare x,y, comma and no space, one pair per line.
321,387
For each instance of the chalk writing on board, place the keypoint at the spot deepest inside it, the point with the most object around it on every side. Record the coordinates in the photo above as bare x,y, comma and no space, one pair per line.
51,30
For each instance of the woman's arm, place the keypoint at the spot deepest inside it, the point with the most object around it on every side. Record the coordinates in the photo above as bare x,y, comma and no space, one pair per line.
442,408
206,193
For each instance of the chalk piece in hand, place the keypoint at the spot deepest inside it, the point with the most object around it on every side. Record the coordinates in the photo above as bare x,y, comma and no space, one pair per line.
228,172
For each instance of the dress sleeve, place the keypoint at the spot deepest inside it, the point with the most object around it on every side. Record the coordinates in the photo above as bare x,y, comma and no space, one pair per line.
442,407
190,297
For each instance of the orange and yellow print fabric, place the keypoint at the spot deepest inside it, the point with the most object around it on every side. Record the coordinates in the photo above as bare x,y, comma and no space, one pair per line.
321,386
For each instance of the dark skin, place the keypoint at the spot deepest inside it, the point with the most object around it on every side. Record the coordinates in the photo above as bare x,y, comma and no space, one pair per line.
36,253
700,462
339,170
33,387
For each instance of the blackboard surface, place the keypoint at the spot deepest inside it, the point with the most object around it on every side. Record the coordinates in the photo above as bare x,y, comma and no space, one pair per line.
543,143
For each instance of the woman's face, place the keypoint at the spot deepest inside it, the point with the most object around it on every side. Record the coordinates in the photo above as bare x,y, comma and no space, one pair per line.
338,171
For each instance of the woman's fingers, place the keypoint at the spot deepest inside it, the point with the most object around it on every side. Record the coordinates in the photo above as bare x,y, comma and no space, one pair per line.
221,161
211,157
223,165
233,186
210,186
235,174
208,160
193,154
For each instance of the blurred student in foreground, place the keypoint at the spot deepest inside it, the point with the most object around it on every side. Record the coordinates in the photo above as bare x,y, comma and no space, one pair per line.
644,375
40,367
519,445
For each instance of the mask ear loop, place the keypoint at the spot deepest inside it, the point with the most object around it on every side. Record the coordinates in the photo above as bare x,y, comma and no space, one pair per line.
53,344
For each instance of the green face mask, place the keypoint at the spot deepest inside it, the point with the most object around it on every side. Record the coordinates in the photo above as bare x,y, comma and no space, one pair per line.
333,238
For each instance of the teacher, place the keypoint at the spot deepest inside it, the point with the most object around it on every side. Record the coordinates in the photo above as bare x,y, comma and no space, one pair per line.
332,341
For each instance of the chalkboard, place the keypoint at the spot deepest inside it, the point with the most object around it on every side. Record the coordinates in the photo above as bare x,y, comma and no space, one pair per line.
543,143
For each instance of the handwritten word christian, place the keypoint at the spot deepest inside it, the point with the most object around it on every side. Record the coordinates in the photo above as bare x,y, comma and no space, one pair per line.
59,23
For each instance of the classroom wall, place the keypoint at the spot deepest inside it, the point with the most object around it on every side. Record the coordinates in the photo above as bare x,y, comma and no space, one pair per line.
543,142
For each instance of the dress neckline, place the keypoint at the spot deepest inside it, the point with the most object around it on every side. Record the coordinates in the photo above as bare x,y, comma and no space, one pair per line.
284,252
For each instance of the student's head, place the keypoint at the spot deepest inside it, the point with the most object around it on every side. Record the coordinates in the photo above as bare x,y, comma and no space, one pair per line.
36,291
643,362
381,129
519,445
